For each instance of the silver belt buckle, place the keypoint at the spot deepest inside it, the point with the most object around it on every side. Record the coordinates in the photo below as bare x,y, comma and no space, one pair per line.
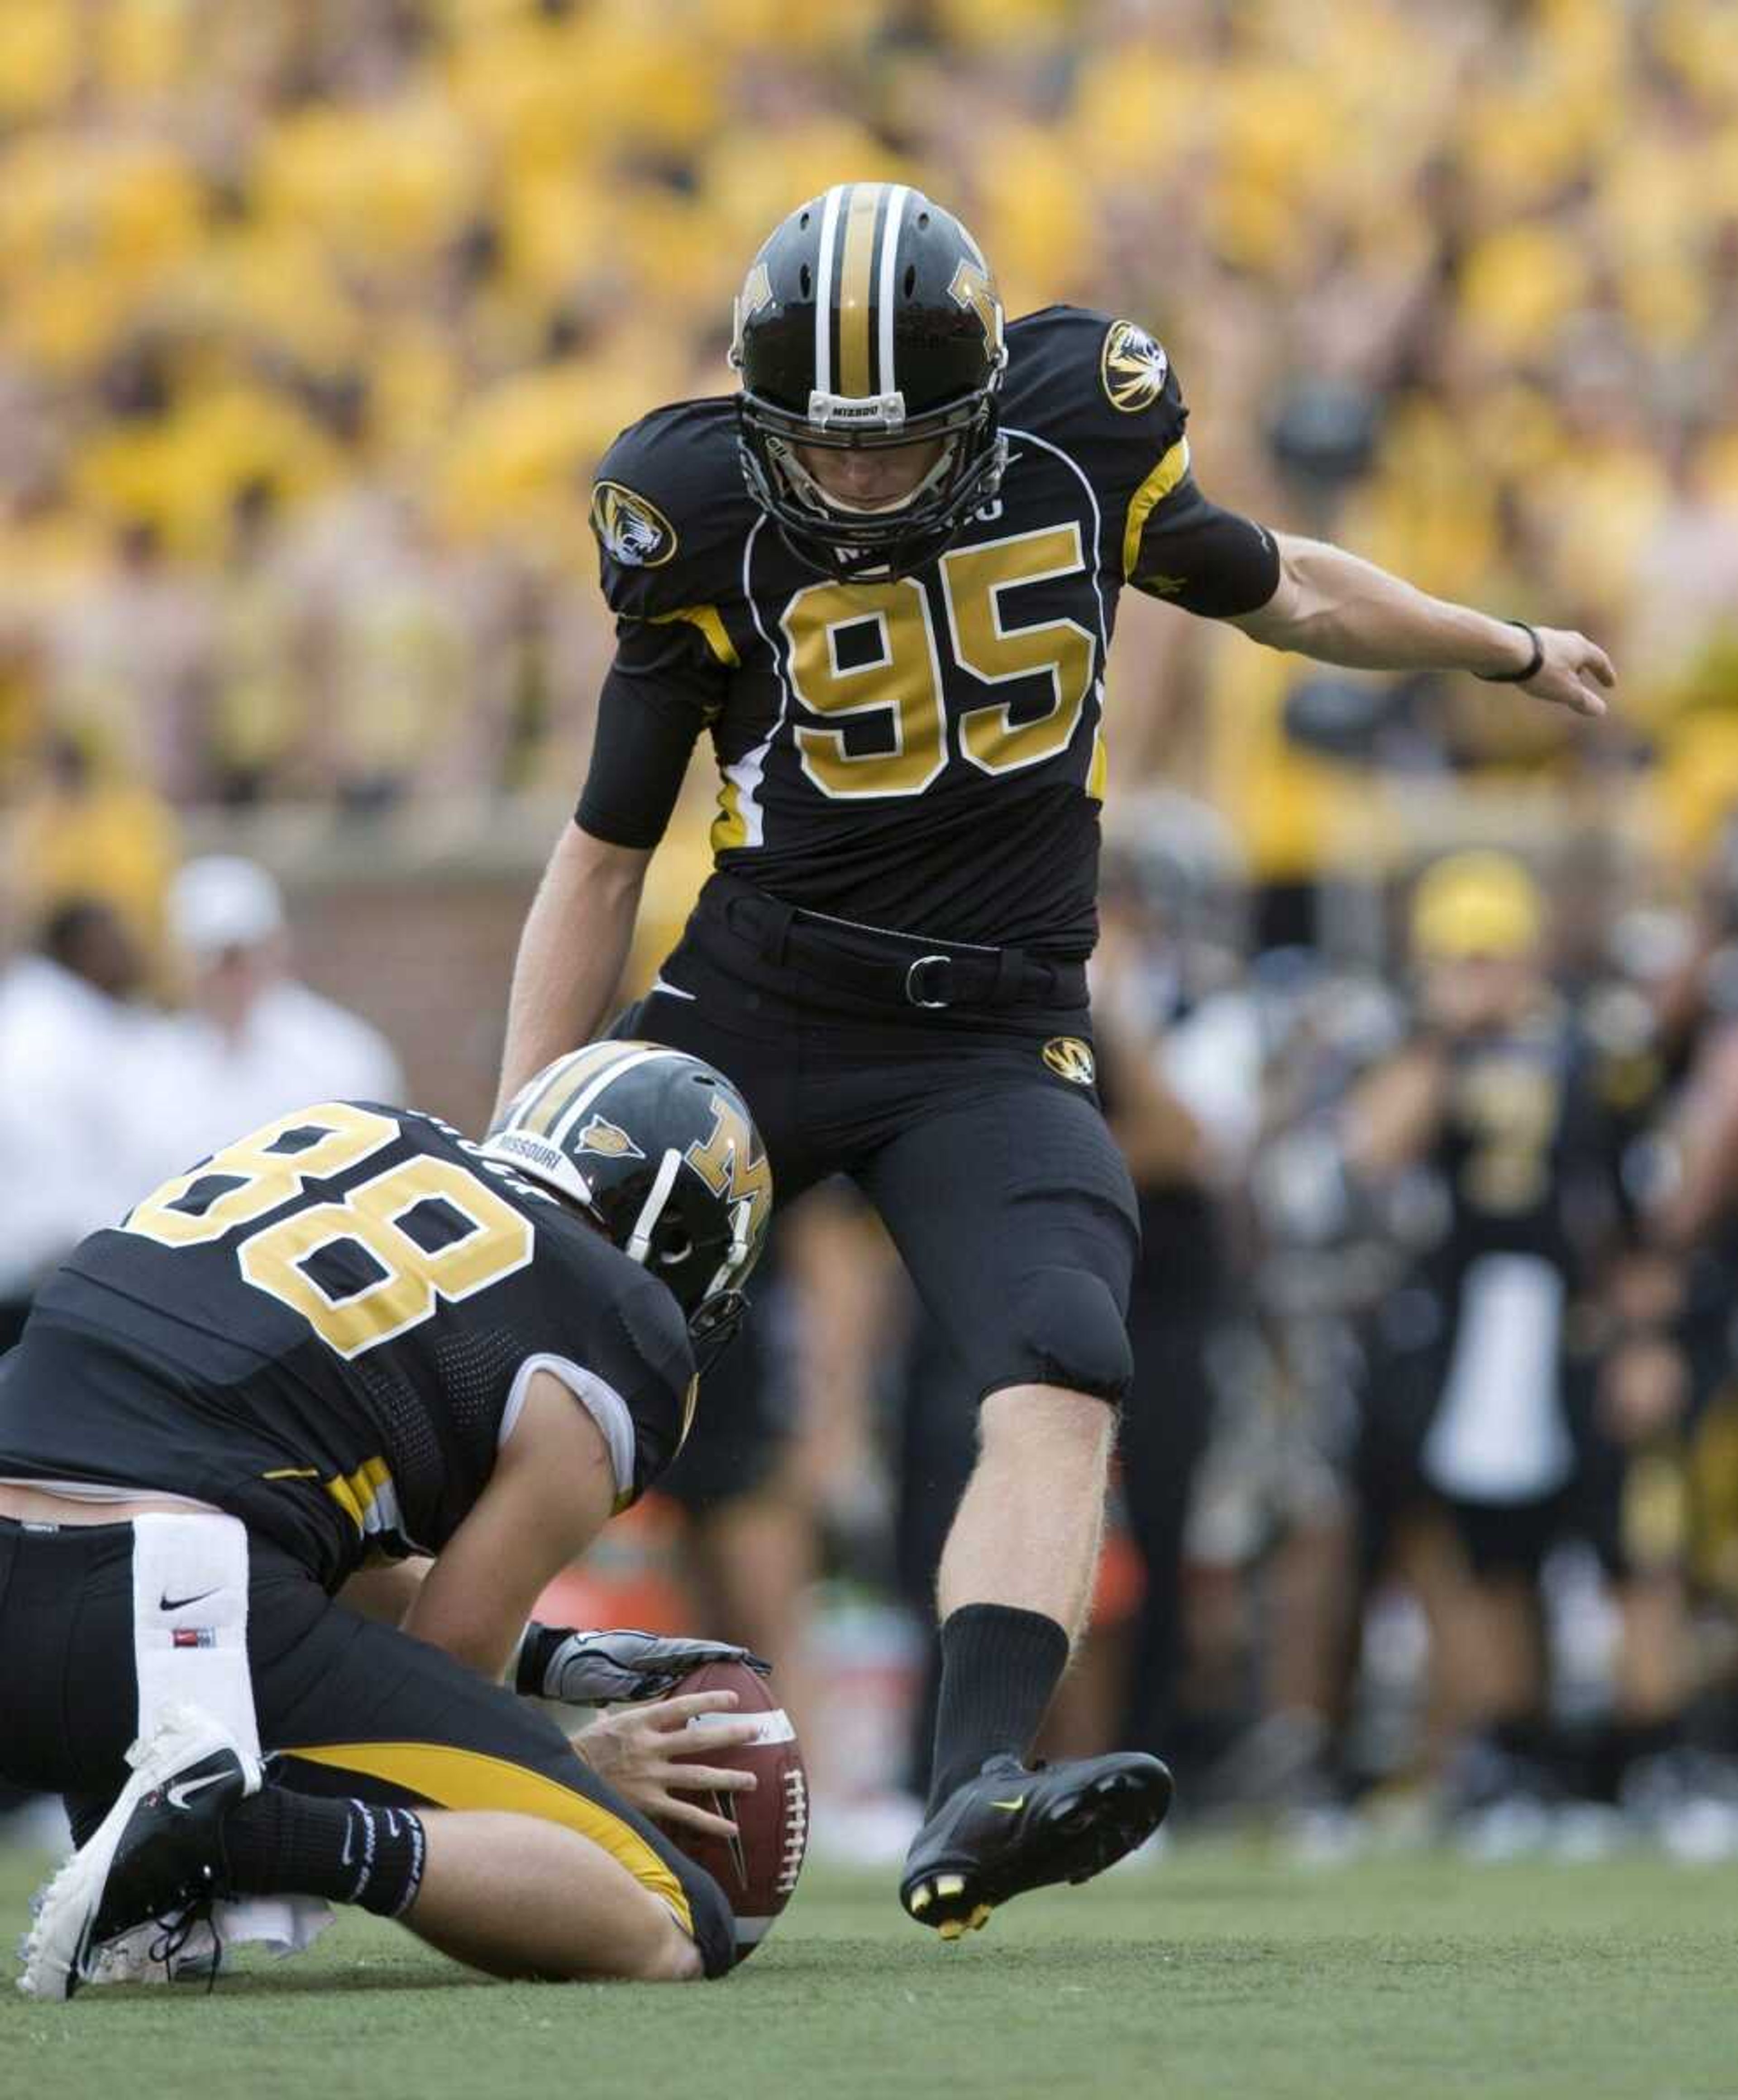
911,990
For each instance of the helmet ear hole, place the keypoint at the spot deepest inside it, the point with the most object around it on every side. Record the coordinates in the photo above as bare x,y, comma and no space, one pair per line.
805,281
910,278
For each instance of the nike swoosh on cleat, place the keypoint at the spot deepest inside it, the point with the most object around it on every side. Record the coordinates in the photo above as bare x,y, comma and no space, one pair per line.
165,1603
1013,1808
178,1794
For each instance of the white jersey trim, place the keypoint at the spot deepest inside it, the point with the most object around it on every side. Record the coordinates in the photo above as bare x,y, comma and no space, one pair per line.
600,1400
747,772
1079,472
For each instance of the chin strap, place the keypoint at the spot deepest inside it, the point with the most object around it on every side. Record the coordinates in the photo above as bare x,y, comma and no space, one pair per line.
639,1241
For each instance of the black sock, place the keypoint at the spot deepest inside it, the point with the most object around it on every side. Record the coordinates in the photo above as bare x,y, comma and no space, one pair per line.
279,1843
1000,1666
1530,1738
1633,1741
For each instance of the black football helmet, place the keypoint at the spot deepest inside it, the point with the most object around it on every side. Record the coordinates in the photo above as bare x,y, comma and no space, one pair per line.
661,1151
870,319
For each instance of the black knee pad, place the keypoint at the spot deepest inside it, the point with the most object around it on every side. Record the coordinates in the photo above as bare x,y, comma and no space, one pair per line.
1067,1330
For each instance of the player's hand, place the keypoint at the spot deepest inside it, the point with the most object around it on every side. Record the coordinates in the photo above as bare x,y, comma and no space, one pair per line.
646,1754
1577,674
594,1668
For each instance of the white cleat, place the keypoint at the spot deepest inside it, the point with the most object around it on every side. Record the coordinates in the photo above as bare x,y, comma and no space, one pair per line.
158,1852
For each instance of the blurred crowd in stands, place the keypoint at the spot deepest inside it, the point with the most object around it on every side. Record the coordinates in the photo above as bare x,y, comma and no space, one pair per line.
1417,1009
313,316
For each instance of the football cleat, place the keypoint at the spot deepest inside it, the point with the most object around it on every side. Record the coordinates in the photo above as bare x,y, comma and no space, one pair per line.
1011,1828
158,1854
176,1948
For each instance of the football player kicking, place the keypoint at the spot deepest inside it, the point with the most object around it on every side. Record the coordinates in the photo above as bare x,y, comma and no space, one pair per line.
883,579
355,1338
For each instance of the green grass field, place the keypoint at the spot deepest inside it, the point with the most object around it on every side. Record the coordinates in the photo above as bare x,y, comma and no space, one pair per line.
1215,1972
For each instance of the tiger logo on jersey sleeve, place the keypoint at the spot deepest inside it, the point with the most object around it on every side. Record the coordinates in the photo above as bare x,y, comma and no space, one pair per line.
1133,366
631,530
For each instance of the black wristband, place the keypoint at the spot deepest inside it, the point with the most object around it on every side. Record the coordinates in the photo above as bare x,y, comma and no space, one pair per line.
1530,669
537,1646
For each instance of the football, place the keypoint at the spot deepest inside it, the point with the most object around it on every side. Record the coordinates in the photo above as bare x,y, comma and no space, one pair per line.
756,1869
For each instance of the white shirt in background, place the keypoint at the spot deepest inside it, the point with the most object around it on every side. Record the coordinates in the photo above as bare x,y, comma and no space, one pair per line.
75,1147
208,1088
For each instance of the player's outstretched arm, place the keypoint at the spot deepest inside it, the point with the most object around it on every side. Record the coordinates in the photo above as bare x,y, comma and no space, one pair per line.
1334,606
571,952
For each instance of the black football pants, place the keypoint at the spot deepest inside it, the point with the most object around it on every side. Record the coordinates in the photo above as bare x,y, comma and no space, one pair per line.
977,1135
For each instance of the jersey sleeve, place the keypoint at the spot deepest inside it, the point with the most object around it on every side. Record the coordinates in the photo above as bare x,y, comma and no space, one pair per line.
664,507
1119,410
1208,560
659,692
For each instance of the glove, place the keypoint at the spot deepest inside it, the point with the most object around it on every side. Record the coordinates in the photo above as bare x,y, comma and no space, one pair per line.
593,1669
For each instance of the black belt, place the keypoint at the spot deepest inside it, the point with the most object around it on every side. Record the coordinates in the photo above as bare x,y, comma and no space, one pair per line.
903,968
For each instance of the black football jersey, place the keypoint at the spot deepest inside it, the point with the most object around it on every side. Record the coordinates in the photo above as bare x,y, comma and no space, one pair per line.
926,754
1522,1153
327,1328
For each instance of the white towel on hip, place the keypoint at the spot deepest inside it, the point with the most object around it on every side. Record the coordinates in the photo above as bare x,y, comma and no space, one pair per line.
190,1643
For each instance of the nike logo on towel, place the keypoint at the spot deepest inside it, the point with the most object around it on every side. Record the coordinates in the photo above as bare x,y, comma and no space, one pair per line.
165,1603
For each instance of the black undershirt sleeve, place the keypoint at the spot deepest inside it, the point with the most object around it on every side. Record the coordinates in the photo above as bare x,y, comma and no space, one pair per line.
662,689
1207,560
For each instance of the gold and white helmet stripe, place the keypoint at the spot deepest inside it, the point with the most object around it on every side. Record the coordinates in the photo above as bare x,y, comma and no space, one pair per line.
857,272
542,1102
823,305
533,1134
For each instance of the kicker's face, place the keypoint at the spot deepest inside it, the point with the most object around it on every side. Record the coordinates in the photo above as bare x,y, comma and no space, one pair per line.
870,477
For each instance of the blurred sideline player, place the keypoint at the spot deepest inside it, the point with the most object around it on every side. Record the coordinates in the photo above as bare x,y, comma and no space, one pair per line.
71,1018
884,579
353,1337
1515,1407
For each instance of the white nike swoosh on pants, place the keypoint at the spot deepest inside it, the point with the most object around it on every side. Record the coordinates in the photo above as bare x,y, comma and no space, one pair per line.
675,991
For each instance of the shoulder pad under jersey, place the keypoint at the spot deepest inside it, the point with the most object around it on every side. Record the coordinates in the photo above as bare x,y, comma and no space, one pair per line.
1102,389
669,510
